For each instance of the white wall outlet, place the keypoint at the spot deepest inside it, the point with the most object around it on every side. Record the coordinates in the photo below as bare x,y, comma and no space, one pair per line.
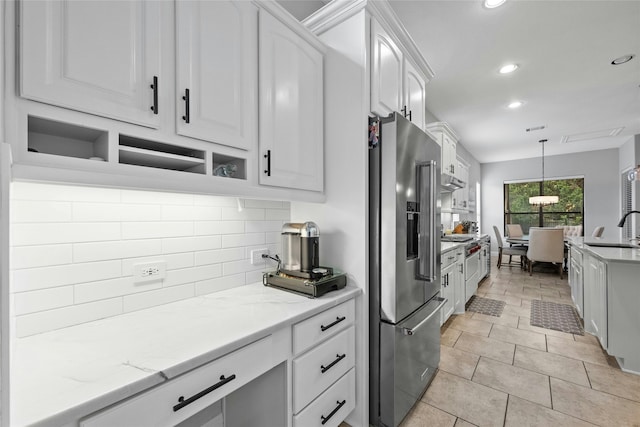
149,271
256,256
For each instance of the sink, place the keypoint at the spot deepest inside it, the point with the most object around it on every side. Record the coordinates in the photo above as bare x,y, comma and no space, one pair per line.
614,244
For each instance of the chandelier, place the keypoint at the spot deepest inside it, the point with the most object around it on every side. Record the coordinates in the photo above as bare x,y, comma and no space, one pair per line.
543,200
634,174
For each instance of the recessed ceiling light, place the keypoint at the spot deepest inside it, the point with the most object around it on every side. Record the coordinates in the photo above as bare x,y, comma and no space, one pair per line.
509,68
515,104
490,4
623,59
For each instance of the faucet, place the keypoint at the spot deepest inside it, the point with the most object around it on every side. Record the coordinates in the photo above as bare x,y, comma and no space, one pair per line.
624,218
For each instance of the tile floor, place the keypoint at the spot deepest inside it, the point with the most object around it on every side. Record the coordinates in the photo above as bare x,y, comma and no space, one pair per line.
500,371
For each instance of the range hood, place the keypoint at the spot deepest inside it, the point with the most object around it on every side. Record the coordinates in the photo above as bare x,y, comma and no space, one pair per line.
451,183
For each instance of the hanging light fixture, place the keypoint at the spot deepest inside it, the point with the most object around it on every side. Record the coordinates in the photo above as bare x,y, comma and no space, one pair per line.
634,174
543,200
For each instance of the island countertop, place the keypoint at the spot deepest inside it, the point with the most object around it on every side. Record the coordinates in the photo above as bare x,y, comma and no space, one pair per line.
60,376
631,255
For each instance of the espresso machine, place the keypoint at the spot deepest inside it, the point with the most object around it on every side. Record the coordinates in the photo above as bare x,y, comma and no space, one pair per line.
299,268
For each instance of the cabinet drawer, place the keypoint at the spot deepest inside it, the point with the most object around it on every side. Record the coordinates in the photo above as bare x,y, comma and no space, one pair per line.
322,326
159,406
448,258
316,370
321,409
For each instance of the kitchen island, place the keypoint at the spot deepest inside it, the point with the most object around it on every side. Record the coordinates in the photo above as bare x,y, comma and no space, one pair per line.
60,377
605,288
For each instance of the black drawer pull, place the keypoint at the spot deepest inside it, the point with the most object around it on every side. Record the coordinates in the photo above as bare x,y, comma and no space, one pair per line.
338,320
154,86
339,358
182,402
187,101
409,115
336,409
404,111
268,157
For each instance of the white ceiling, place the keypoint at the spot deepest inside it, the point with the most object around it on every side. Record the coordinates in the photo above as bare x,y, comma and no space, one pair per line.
564,50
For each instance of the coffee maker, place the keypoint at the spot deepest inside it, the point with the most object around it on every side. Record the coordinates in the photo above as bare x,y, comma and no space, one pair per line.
300,248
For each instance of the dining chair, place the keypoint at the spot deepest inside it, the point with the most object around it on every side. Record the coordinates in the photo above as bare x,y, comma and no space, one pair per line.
571,230
520,251
597,232
546,245
514,230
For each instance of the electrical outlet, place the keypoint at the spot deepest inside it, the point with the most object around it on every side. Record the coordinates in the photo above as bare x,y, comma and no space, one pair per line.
256,256
149,271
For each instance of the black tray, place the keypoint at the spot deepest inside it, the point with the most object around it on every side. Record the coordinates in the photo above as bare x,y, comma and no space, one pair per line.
309,287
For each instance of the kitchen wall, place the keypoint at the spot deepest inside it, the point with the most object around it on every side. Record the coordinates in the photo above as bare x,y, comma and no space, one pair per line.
73,249
601,187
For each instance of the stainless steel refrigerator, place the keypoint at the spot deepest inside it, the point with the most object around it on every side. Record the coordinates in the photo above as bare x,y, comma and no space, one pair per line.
404,262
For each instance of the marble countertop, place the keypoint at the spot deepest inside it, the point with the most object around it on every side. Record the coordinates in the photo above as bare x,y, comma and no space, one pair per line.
607,253
60,376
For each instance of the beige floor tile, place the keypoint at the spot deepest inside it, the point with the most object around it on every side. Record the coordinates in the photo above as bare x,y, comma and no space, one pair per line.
458,362
508,299
551,364
462,423
614,381
576,350
513,380
449,336
519,336
526,303
587,338
521,412
550,293
504,319
593,406
423,415
526,325
466,324
473,402
517,310
558,300
487,347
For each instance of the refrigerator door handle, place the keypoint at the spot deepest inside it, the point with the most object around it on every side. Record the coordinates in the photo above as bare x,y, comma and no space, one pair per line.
411,331
427,199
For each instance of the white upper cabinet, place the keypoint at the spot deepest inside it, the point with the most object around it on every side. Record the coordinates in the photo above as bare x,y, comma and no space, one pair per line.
444,135
217,71
386,72
415,89
291,108
98,57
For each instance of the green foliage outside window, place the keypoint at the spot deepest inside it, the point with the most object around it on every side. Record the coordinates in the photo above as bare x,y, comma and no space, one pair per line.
568,211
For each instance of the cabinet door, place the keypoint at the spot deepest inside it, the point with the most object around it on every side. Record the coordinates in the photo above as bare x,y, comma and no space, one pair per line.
98,57
216,61
414,95
386,72
291,108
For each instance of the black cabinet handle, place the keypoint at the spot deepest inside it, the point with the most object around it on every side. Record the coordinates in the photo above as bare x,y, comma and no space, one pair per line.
336,409
330,365
338,320
409,115
182,402
154,86
404,111
186,116
268,157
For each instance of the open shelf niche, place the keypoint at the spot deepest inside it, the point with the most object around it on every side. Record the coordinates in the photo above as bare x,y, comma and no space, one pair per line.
66,139
229,166
143,152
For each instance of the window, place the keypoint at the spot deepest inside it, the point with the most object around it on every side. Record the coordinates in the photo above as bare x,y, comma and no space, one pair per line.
568,211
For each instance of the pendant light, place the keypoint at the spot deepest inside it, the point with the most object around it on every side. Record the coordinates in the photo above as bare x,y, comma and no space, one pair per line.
543,200
634,174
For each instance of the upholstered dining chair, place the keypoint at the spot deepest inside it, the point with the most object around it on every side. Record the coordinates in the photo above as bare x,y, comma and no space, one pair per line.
520,251
597,232
514,230
571,230
546,245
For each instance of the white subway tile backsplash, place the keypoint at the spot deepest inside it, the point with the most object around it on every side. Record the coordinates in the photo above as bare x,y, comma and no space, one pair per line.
219,256
50,233
143,300
23,211
40,256
235,240
44,299
104,289
43,321
218,227
50,277
187,244
96,251
174,261
73,249
214,285
155,230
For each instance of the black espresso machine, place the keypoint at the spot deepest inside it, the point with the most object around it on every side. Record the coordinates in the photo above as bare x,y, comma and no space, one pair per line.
299,269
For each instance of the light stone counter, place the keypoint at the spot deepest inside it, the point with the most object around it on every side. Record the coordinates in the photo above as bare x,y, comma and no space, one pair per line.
61,376
631,255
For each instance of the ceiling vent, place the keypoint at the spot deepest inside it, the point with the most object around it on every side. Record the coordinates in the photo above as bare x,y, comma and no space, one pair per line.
535,128
591,135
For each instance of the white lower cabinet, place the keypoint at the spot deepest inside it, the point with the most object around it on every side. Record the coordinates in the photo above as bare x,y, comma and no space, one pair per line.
595,298
447,286
576,279
332,406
